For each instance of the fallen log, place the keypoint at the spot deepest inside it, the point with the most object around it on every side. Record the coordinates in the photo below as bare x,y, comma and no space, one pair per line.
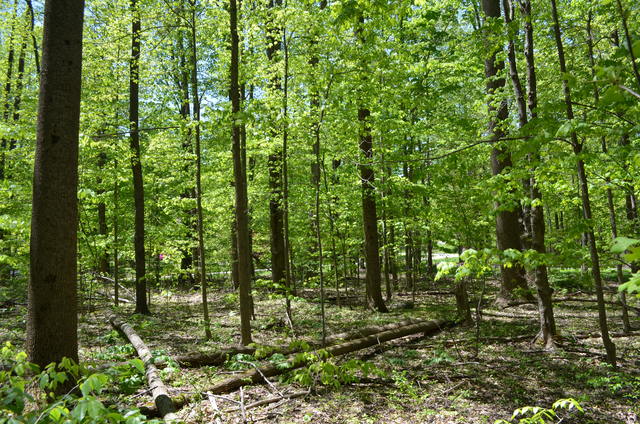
258,375
194,360
165,407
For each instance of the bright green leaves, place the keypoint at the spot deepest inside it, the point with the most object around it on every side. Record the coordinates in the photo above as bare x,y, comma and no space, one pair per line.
632,247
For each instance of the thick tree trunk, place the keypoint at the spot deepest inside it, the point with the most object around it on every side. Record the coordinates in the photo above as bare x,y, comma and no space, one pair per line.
159,391
136,164
52,293
609,346
508,229
369,214
240,182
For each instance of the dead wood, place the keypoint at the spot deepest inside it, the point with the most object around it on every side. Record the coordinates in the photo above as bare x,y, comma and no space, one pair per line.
194,360
256,376
163,402
273,399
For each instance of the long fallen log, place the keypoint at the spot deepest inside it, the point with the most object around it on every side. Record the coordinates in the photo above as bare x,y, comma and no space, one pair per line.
165,407
258,375
194,360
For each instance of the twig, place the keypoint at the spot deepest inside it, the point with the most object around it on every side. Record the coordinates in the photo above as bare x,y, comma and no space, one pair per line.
274,388
214,405
451,389
242,409
274,399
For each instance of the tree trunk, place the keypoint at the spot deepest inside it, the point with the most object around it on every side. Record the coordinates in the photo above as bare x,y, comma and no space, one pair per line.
508,229
610,347
610,203
52,293
535,215
200,224
103,259
136,164
276,211
240,182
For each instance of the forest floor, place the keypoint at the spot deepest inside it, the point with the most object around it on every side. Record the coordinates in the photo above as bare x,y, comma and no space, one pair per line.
461,375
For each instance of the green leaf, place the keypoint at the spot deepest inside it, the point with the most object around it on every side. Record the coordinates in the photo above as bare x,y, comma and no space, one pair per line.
622,244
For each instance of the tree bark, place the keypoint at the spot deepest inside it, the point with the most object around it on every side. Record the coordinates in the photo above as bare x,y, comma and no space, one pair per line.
136,164
535,214
159,391
52,293
200,221
610,204
609,346
240,182
275,162
508,229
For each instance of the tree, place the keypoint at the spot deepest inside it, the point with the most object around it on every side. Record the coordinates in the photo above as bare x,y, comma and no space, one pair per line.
369,212
52,316
508,230
240,182
136,161
577,146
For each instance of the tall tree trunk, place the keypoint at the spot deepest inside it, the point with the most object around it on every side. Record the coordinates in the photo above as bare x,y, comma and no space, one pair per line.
609,346
240,182
196,118
116,235
136,164
535,213
52,316
625,26
103,258
185,278
610,203
369,212
276,212
508,229
6,94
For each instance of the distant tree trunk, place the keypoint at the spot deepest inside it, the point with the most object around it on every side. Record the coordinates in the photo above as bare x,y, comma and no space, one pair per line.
36,54
276,212
103,259
632,55
535,214
240,181
185,278
136,165
610,203
200,224
52,314
609,346
116,235
6,101
234,256
508,229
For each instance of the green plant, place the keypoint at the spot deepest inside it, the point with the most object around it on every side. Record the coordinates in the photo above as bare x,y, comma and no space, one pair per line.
325,371
28,395
540,415
620,246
